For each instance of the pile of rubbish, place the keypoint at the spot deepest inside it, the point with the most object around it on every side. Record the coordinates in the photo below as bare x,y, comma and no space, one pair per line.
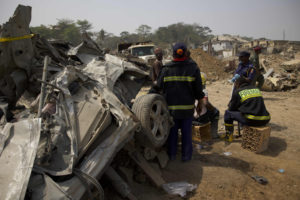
282,73
211,66
68,112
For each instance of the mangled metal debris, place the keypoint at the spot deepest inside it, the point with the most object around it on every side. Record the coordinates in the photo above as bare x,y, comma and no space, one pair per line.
19,148
87,50
61,148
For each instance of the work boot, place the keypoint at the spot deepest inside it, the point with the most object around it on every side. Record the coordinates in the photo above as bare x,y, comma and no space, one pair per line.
229,132
229,137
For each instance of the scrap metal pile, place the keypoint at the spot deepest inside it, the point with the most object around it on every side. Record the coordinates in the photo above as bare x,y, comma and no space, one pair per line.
66,114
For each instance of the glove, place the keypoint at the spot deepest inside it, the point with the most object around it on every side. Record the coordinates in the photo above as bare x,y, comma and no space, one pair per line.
235,77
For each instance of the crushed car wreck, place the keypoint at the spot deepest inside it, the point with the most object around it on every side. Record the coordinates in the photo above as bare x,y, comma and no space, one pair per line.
64,121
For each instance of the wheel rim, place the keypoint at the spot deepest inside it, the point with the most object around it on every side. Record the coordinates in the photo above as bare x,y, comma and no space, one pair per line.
159,120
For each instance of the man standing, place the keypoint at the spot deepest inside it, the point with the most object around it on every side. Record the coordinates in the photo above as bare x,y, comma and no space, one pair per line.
246,106
157,65
245,68
181,85
255,61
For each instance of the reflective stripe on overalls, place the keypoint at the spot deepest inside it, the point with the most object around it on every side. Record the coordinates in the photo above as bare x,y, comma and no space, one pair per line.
181,107
251,93
257,117
180,79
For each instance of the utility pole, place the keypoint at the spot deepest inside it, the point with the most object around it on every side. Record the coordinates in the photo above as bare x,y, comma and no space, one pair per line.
283,34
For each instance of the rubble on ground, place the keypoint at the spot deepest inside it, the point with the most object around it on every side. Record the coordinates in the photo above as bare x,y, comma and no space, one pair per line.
281,69
279,59
286,72
213,67
291,66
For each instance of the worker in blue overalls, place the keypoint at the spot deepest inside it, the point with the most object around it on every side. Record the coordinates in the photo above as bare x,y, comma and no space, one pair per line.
180,83
245,68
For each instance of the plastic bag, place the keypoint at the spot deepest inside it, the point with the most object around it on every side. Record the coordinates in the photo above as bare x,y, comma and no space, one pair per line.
179,188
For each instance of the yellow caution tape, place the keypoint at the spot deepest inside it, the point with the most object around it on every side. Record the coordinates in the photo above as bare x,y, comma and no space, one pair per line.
9,39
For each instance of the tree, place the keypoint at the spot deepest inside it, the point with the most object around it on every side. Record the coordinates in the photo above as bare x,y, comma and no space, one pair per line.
107,40
43,31
100,36
144,30
66,29
84,25
111,42
191,34
124,34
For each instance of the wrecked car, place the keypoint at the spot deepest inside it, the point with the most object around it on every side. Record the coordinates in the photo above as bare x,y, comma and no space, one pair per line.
72,110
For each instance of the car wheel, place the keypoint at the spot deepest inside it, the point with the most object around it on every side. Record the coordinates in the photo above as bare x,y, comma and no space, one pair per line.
152,111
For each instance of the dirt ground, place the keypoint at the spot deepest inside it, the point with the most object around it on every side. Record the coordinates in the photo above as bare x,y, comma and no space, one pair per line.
229,177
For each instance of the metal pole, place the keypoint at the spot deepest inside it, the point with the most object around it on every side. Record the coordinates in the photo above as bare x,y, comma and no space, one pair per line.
239,129
43,85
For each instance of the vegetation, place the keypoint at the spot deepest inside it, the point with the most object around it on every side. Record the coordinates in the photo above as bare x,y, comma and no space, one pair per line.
190,34
64,29
70,30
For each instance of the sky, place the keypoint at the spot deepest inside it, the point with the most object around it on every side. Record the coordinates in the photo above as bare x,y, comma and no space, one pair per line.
252,18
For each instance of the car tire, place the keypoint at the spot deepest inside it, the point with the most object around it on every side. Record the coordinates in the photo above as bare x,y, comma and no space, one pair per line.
152,111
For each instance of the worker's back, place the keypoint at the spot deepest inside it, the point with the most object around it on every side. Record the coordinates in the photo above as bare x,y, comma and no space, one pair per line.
249,101
181,85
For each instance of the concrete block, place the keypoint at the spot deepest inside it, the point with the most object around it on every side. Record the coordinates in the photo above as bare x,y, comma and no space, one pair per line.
256,139
201,133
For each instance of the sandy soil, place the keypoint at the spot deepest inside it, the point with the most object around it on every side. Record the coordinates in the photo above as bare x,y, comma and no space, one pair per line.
229,177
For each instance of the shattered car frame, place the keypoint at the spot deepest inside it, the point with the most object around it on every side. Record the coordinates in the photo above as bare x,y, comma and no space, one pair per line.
59,150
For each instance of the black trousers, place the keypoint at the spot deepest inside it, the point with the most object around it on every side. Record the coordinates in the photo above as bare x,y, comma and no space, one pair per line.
231,116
